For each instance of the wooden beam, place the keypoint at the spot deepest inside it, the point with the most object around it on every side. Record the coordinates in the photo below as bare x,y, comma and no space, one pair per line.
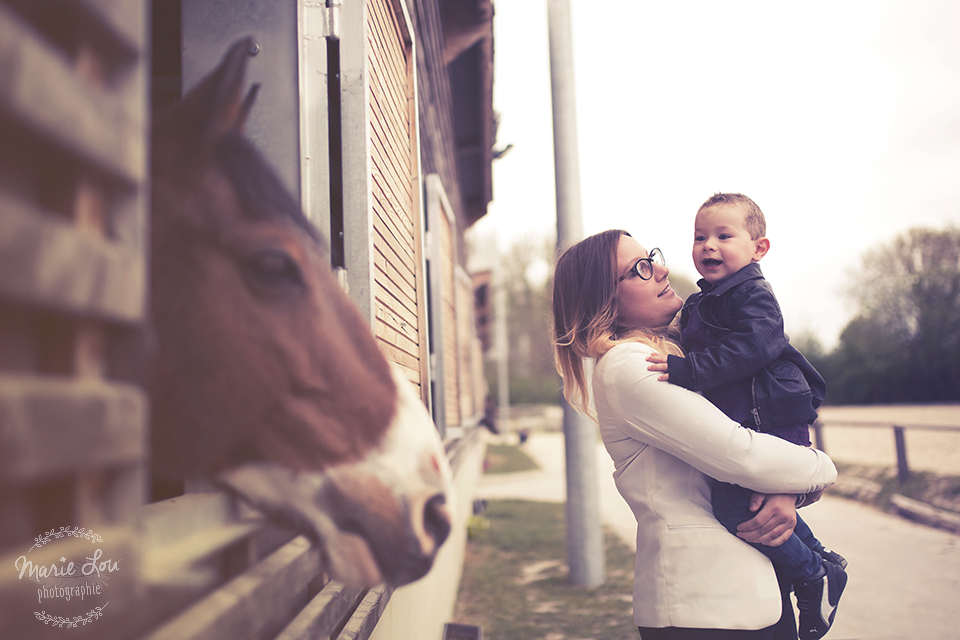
46,261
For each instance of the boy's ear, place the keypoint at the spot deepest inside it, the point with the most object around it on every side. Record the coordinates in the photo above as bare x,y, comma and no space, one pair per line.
760,249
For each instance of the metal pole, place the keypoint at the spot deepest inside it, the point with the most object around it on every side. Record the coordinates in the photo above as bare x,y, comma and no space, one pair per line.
585,554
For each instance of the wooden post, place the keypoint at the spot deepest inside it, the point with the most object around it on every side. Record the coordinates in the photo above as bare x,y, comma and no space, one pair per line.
903,470
818,436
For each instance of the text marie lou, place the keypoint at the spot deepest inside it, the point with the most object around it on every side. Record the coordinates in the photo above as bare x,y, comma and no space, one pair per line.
93,565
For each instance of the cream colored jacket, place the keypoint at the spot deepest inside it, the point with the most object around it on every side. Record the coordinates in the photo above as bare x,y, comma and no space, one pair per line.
665,441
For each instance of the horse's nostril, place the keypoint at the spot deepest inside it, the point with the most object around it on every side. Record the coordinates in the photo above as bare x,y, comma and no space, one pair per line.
436,521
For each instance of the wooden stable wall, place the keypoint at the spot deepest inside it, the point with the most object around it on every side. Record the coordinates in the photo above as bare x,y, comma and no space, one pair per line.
400,314
459,387
73,288
73,142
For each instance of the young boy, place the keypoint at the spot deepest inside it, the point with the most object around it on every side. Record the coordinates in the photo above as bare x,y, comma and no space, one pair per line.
739,358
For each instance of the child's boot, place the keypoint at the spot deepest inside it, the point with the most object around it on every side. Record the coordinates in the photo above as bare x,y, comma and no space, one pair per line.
817,601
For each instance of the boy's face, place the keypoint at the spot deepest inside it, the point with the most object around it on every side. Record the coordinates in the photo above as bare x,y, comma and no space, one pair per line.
721,243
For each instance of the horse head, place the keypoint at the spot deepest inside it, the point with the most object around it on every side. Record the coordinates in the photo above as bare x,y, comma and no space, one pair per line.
266,379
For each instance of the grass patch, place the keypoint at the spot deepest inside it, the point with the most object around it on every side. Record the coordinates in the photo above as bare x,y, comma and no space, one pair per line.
515,580
506,458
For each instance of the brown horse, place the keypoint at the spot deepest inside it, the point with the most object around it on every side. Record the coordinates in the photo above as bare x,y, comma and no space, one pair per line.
266,379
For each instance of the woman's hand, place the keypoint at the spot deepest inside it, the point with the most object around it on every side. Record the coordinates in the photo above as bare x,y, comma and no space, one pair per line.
774,522
659,364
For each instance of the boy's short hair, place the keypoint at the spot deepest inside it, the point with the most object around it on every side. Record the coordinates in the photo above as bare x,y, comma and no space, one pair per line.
753,219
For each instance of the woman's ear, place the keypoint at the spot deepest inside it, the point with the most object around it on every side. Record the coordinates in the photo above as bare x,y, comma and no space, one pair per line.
760,249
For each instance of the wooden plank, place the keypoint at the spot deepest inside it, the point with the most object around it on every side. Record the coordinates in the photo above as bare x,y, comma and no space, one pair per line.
264,597
395,195
402,342
324,614
402,358
388,96
395,229
384,56
393,268
394,185
387,250
394,232
393,52
403,291
55,426
395,128
45,261
176,562
396,306
386,329
394,136
368,613
39,88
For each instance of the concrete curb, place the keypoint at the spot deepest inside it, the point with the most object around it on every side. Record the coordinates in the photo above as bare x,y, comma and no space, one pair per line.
868,491
925,513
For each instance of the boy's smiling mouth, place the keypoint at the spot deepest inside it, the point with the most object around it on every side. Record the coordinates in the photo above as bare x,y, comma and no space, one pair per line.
711,262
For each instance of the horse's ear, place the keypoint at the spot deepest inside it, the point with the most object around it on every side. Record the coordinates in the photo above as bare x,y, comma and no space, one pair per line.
214,106
246,106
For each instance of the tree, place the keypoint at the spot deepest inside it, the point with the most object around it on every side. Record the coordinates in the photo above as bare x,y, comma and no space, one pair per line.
527,267
905,343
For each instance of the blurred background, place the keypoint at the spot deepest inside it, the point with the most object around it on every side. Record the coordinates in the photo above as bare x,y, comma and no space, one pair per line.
840,119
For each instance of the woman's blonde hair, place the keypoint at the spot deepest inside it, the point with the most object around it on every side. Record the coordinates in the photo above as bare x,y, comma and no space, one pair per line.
585,313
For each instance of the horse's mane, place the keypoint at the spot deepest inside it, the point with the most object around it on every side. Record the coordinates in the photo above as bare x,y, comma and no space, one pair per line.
259,190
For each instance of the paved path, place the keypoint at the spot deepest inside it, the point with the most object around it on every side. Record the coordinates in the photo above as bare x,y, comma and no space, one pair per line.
904,577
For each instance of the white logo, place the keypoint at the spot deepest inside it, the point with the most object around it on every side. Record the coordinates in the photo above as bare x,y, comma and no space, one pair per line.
76,587
826,609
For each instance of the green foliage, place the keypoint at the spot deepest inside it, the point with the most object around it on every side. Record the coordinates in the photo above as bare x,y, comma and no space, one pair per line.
904,346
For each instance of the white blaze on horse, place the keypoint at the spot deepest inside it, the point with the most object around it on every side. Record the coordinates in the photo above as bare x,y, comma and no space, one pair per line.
266,379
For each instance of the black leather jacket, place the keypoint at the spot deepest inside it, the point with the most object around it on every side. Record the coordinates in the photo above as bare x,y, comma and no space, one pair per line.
743,315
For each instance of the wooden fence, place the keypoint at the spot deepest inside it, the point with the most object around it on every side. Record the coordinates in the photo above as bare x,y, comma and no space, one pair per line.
898,432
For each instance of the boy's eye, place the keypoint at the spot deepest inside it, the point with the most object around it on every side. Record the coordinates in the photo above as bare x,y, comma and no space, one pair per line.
698,238
725,236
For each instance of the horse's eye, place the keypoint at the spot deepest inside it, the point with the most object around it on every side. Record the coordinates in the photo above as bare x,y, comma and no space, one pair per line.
274,268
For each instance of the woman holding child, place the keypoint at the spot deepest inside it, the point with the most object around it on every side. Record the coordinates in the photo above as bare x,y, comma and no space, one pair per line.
613,304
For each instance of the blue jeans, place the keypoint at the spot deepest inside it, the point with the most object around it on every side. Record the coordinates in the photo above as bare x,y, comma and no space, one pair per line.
798,558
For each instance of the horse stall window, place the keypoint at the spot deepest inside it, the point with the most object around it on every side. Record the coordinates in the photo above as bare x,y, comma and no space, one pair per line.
73,419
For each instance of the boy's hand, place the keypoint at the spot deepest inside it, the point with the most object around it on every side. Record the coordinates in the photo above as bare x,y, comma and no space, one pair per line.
659,363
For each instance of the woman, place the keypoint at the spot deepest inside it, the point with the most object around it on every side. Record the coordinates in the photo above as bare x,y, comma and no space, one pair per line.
613,304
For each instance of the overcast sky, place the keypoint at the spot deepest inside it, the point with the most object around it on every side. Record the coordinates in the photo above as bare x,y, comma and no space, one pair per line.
841,119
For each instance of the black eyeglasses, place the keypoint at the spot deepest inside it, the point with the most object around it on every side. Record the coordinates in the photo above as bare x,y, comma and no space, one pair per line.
644,266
